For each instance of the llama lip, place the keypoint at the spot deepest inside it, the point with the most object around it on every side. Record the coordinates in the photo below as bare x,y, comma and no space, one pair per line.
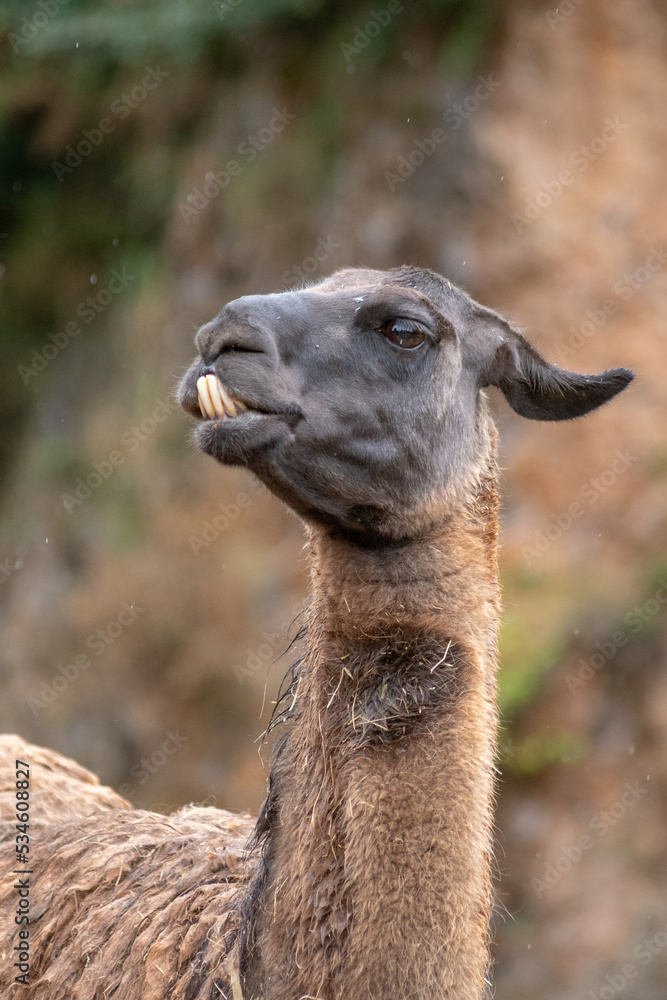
214,400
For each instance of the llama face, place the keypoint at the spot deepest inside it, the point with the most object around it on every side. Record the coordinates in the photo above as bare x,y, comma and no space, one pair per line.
348,398
357,401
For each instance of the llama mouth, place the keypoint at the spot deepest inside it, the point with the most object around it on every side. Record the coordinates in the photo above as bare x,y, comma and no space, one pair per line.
232,430
214,400
217,404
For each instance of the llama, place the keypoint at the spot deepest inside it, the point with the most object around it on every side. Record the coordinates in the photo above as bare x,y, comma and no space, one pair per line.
358,401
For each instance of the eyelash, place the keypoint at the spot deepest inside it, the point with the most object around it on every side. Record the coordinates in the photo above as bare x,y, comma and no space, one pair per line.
409,329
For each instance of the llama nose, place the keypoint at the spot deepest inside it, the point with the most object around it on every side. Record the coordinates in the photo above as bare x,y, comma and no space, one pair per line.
235,328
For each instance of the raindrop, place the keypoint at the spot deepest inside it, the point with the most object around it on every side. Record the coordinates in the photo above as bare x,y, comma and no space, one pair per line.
93,279
114,243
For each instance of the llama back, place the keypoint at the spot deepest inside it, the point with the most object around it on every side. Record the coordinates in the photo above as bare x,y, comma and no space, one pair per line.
148,901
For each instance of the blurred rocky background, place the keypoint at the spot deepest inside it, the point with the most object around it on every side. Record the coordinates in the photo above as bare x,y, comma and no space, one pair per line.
160,158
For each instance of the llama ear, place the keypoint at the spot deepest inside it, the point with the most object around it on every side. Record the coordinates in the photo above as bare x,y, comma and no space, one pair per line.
539,390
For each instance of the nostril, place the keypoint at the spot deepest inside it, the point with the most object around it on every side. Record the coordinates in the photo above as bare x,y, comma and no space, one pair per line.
213,343
211,355
235,330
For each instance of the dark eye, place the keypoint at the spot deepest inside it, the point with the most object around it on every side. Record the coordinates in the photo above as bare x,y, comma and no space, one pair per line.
405,333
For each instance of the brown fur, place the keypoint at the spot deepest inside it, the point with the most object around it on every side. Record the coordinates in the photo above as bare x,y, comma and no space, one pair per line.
375,882
123,902
367,874
60,789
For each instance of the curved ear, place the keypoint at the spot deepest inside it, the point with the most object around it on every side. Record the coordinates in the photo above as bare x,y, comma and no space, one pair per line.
536,389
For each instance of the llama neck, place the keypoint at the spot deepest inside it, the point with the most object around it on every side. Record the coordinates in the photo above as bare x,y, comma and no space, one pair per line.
375,881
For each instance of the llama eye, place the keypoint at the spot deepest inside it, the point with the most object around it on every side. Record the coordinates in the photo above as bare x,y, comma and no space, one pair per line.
405,333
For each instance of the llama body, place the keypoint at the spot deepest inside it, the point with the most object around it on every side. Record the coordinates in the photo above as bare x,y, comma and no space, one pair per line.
358,403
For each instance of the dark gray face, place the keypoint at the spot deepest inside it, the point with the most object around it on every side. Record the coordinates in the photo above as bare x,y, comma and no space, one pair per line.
362,393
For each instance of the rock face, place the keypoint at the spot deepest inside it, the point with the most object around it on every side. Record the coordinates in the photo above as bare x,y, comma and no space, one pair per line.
537,182
580,225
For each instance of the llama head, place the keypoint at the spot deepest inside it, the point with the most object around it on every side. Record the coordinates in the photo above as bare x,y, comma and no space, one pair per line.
358,400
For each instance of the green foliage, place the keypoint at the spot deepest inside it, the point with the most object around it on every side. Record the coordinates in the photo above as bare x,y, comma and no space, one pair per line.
178,30
66,65
525,657
54,456
470,31
542,750
125,527
182,31
657,461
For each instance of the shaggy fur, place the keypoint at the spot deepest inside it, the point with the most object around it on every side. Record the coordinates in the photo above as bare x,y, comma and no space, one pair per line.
367,874
60,789
124,902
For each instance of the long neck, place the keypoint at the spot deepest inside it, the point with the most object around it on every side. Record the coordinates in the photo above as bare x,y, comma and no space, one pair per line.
375,881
